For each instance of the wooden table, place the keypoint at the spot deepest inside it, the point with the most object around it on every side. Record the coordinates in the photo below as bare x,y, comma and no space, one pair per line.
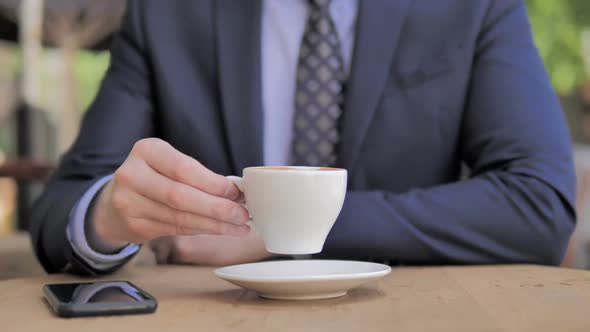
487,298
17,259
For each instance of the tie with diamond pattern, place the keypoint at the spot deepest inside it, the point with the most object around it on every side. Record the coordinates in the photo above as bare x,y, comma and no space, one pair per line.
319,91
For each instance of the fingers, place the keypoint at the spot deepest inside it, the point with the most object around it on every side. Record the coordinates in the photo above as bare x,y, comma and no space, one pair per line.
162,249
139,177
164,159
181,250
148,219
209,249
159,191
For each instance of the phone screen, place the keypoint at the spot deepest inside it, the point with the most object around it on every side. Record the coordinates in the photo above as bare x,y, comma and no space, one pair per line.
97,292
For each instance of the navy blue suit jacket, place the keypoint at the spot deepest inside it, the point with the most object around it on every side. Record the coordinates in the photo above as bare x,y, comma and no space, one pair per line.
433,84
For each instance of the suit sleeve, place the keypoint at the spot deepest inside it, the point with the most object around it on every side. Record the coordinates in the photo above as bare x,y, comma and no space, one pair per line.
121,115
518,204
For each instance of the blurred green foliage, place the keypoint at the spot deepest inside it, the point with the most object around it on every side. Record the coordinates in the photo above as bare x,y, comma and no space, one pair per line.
90,68
557,27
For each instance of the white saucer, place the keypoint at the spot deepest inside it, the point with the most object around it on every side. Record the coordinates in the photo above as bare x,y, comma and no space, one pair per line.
302,279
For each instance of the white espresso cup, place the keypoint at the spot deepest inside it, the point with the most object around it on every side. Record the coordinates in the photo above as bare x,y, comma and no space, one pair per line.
293,208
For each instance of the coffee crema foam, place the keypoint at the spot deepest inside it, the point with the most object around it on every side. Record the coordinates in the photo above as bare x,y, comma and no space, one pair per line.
289,168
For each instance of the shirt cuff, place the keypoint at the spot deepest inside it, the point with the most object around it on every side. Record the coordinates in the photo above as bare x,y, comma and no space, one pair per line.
77,235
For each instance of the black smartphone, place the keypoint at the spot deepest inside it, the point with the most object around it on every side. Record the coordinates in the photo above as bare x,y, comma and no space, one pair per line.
102,298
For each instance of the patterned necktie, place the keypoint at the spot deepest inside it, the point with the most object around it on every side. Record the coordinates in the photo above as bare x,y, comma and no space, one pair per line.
319,91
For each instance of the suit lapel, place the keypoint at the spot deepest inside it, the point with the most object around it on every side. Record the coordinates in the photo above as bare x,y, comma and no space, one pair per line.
238,47
379,26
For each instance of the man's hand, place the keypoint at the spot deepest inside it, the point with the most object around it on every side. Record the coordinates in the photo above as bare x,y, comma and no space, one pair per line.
159,192
210,249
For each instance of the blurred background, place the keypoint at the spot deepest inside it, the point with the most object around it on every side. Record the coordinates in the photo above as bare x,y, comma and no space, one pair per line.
54,53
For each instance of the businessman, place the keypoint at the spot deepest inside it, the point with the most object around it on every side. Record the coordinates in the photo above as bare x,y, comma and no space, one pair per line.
399,92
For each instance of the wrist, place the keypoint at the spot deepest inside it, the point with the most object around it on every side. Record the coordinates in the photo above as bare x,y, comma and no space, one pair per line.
101,229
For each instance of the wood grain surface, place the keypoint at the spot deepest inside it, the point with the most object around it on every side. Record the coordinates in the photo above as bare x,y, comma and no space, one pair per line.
484,298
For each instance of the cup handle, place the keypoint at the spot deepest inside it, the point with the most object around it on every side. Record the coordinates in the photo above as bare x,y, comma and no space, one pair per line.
237,181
